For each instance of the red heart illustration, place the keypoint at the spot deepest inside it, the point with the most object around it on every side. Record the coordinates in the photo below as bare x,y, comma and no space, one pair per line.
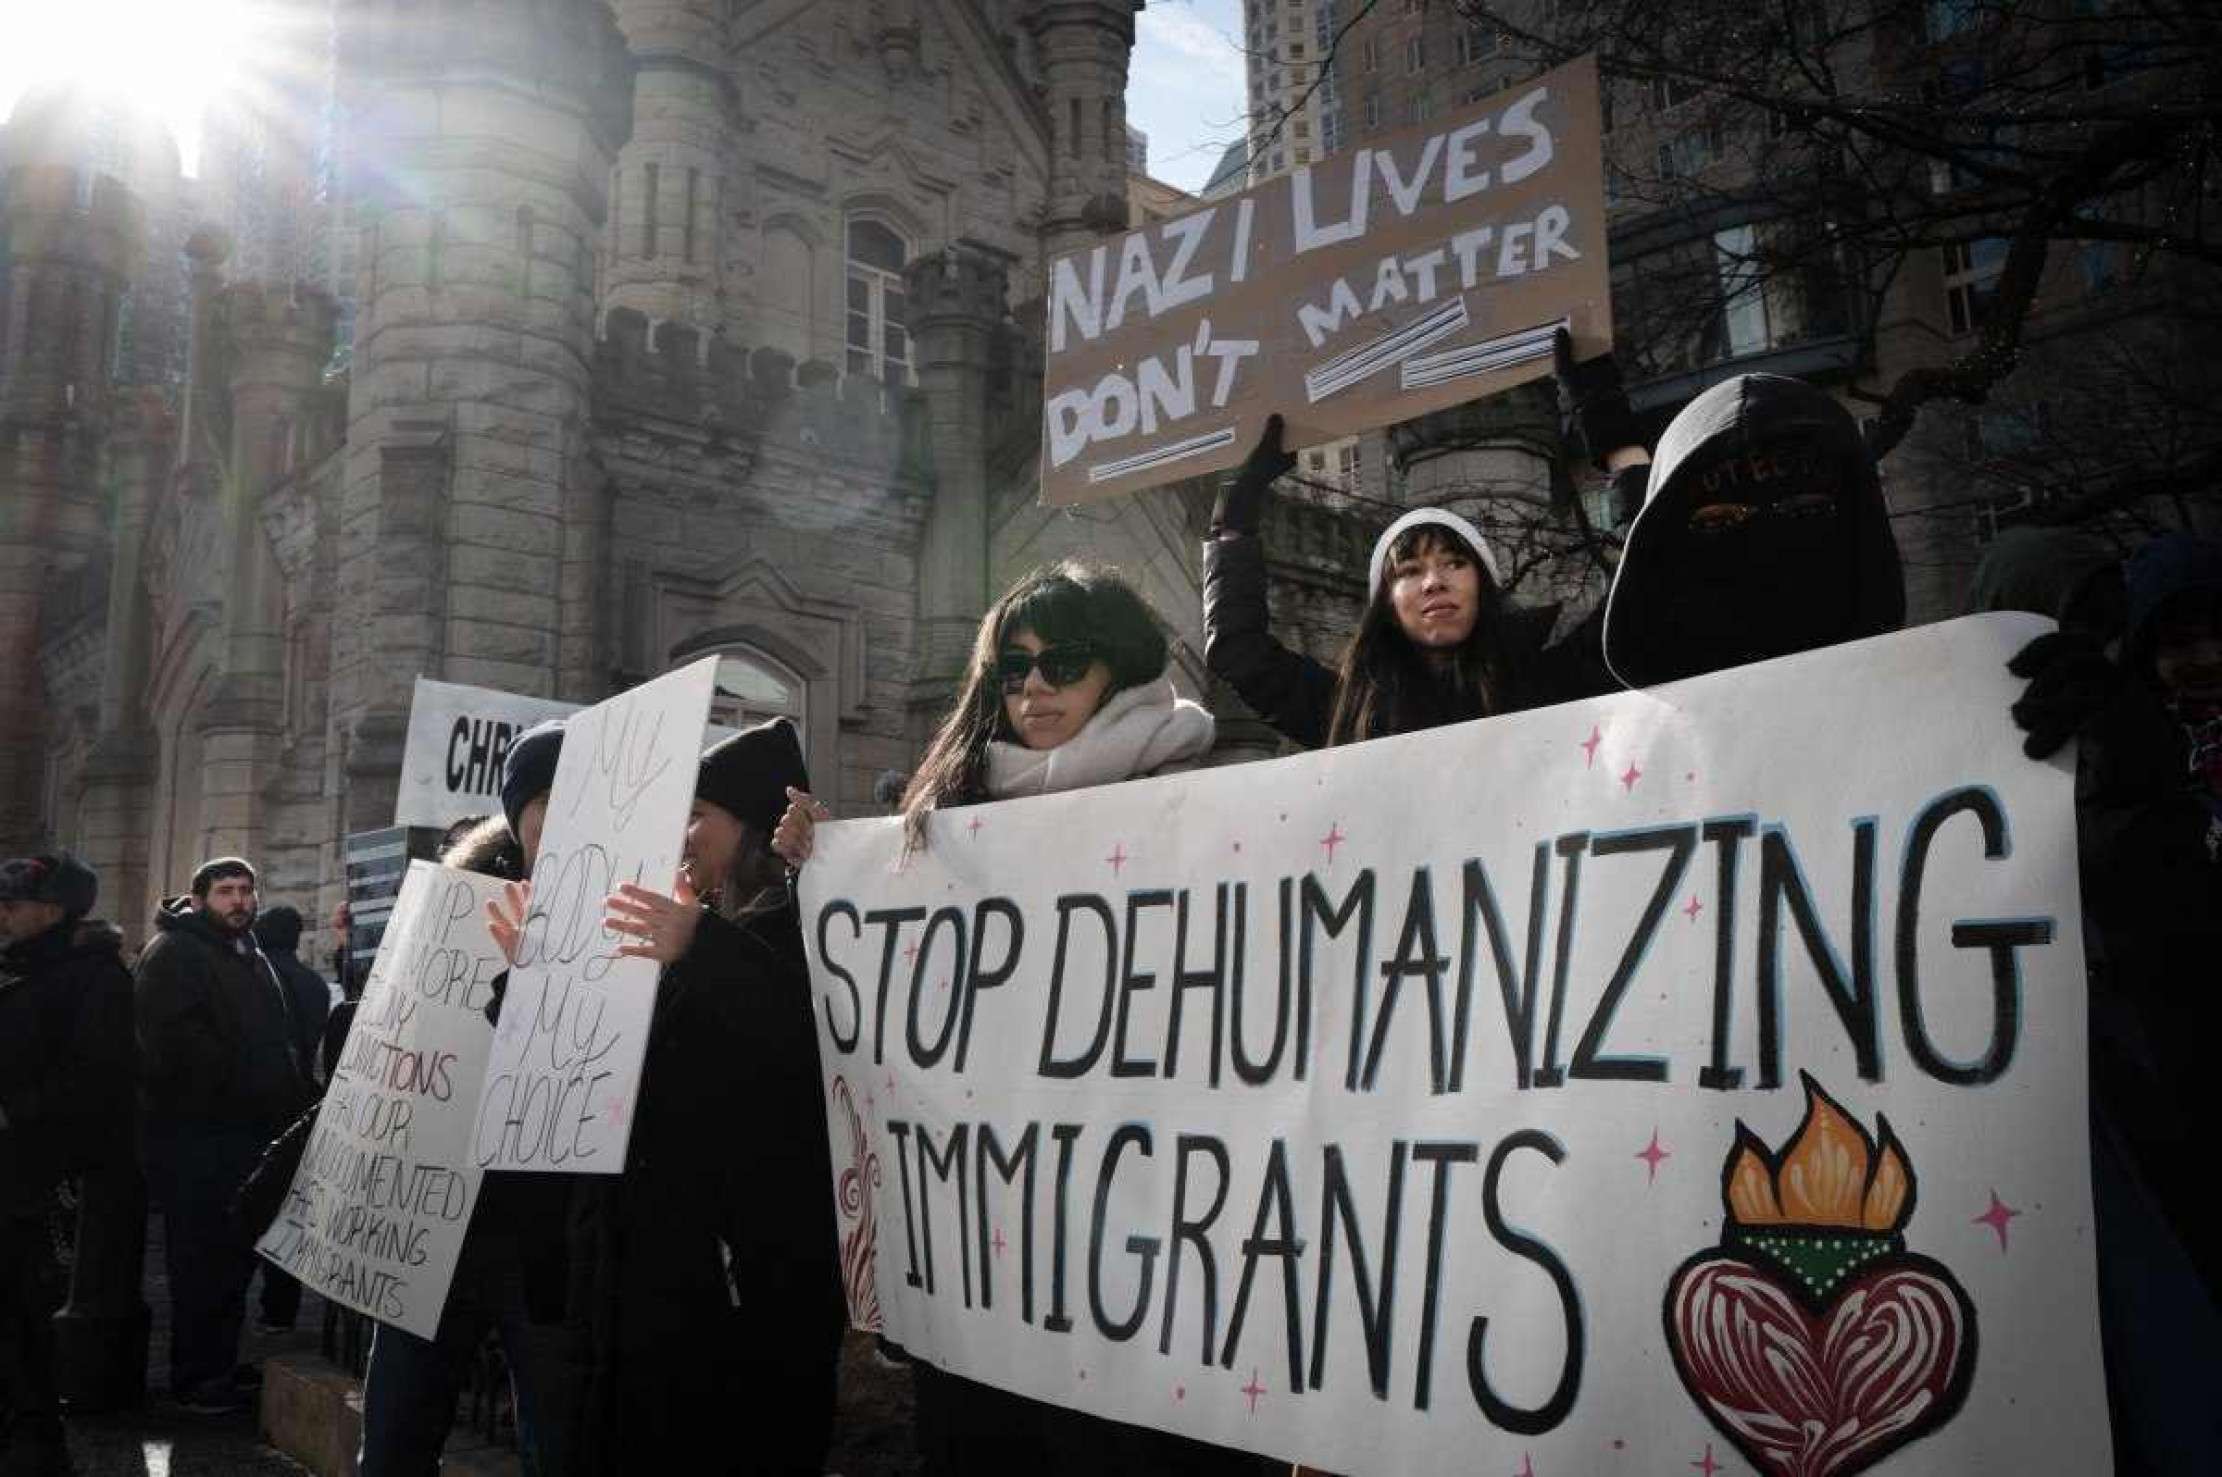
1827,1394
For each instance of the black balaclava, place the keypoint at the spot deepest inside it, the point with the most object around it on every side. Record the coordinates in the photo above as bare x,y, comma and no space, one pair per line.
529,769
1763,533
748,775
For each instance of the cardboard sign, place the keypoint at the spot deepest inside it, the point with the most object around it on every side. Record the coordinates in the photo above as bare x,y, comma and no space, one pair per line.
566,1063
1685,1078
377,1211
458,738
1419,271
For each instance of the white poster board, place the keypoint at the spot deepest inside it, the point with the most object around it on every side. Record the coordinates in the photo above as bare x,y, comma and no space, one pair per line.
376,1213
566,1062
458,736
1384,1108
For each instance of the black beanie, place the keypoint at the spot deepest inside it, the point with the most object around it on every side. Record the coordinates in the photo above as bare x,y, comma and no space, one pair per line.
748,774
529,768
59,878
279,927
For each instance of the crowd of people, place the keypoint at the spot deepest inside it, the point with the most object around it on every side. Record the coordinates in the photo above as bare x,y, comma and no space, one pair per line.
692,1303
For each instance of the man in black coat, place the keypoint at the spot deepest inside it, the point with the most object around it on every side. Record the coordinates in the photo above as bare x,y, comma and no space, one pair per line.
220,1081
65,1062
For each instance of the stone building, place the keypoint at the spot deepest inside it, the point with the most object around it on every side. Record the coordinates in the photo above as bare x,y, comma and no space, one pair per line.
681,327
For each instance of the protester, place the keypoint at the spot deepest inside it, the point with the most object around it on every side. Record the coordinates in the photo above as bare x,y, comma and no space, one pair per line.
1066,689
1764,534
309,1000
510,1273
219,1083
65,1060
706,1302
1437,642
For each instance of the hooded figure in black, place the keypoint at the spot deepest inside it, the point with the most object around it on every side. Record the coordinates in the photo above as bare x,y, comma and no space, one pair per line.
66,1063
706,1287
1763,533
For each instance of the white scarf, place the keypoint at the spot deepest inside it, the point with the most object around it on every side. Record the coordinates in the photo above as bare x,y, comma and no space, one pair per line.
1141,731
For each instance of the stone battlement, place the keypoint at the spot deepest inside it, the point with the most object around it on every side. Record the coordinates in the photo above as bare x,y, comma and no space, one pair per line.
722,390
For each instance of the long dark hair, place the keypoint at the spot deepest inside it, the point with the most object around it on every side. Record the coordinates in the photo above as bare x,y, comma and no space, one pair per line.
1390,685
1064,602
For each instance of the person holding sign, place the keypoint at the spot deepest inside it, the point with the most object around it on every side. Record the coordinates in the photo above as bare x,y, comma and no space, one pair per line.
509,1275
705,1296
1066,690
1437,643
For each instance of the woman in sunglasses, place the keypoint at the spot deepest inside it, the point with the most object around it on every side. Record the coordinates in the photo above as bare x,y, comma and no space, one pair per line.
1066,689
1437,643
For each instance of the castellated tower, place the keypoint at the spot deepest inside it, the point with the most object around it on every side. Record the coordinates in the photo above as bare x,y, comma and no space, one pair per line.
73,244
482,139
670,194
1082,48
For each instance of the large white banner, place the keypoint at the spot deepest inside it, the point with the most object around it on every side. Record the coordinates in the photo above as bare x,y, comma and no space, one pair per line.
458,737
566,1064
377,1211
1686,1079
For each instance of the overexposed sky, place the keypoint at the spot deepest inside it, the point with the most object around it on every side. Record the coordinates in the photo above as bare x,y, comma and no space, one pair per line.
1185,88
172,54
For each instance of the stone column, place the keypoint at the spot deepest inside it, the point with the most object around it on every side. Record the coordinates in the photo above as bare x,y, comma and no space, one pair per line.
71,256
118,776
482,134
957,302
277,339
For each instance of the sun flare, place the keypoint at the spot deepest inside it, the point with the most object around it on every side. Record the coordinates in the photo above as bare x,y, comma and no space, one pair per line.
173,57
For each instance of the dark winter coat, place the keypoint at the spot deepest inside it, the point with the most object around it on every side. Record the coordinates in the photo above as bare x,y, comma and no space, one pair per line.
706,1287
215,1030
1295,693
308,1001
66,1060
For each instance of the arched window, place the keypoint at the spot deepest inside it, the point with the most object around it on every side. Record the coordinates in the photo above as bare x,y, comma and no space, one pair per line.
878,341
753,687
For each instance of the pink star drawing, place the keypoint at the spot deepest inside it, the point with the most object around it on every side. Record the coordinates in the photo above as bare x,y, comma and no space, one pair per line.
910,953
1180,1392
1651,1154
999,1243
1117,859
973,825
891,1084
1253,1390
1693,907
1706,1464
1630,775
871,1103
1527,1465
616,1107
1589,745
1996,1218
1331,840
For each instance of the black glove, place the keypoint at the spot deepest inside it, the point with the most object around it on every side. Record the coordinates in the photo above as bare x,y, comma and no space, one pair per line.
1593,401
2071,684
1236,510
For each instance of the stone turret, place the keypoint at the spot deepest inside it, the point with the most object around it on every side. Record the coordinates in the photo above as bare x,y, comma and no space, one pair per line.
74,240
482,137
1082,47
671,192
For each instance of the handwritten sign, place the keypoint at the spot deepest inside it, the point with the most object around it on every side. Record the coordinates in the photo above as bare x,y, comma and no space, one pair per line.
566,1062
458,737
376,1213
1419,271
1688,1077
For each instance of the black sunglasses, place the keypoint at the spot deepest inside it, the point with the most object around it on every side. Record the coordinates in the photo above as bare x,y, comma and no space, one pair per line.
1061,665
